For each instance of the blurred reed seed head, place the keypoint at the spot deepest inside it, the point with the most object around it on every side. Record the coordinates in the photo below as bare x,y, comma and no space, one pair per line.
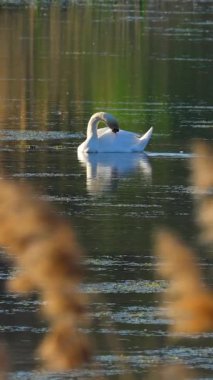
202,179
64,346
177,262
205,219
46,253
168,371
61,301
188,302
202,167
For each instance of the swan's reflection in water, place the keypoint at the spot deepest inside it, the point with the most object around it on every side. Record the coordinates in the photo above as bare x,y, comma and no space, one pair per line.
103,170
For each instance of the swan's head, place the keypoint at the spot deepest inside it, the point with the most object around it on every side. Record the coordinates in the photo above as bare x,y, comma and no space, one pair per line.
111,122
114,127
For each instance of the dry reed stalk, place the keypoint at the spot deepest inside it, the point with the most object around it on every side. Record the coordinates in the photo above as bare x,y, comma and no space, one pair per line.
4,361
190,303
44,248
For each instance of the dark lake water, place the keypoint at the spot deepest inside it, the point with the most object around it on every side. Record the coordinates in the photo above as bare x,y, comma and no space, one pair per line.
149,63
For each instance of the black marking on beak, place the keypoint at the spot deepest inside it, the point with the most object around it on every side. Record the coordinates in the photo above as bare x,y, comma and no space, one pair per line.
115,130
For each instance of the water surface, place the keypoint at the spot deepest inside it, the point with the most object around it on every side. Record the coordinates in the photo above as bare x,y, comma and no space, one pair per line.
147,63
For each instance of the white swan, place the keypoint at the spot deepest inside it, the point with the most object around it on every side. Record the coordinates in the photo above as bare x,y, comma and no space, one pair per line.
111,139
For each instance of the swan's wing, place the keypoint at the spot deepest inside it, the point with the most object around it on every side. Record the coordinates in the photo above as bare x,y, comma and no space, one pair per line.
102,131
122,132
143,141
122,141
127,134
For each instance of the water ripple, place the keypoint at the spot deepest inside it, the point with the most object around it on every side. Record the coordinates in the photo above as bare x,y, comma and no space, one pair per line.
16,135
128,286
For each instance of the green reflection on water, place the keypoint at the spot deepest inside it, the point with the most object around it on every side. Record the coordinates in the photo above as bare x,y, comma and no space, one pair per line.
145,63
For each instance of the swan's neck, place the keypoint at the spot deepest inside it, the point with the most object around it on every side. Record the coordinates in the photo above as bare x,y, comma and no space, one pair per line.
108,119
93,125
